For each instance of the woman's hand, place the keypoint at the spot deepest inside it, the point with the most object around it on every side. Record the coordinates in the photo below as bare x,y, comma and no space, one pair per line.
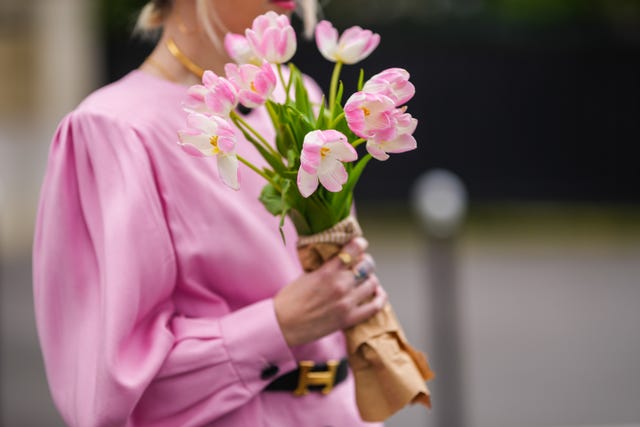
330,298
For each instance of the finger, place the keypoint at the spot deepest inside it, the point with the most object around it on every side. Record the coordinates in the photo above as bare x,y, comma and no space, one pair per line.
350,253
364,292
368,309
359,273
363,269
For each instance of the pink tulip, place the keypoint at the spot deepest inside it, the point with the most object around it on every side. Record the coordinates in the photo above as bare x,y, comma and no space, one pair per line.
213,136
272,38
253,84
323,152
370,115
195,100
392,82
353,46
405,123
402,142
237,46
216,96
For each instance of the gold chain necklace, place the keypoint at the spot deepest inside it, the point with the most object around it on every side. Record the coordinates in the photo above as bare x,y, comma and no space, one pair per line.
165,73
187,63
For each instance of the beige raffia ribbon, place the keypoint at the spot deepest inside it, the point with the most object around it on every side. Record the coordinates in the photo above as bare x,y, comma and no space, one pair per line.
389,373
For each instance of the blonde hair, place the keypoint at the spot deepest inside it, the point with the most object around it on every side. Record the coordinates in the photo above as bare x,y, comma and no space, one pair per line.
308,11
203,12
152,17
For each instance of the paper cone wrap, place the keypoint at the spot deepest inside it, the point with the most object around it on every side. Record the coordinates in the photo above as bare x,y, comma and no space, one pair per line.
389,373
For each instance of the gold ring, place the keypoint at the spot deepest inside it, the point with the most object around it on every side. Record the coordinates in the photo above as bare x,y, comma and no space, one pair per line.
345,258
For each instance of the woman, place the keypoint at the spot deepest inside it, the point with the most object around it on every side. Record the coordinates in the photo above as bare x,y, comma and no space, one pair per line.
162,297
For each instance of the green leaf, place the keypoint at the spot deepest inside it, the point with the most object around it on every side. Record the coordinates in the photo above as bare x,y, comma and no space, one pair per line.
299,221
321,121
273,110
302,98
286,207
296,140
299,119
299,126
342,126
344,198
292,70
272,200
278,118
274,162
293,160
355,173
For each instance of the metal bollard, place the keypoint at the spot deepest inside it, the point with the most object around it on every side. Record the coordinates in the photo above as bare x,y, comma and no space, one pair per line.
440,200
2,290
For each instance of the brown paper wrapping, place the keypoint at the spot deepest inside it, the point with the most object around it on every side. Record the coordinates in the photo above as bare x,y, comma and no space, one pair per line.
389,373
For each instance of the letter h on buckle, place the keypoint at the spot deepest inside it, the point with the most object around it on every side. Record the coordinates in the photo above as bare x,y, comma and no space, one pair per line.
316,378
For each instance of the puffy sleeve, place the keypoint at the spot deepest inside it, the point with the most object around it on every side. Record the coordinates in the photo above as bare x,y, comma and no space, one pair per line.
115,351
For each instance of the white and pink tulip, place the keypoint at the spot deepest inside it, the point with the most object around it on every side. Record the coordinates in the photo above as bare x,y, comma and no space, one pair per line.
370,115
323,152
402,142
354,45
213,136
237,46
392,82
216,96
386,128
254,84
272,38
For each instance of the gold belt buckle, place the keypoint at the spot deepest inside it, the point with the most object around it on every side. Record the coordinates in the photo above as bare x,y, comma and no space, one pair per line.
318,378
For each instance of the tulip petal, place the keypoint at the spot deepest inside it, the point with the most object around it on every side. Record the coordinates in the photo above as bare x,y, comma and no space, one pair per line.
228,170
371,45
310,157
400,144
342,151
227,144
376,151
332,174
205,124
392,82
195,100
327,40
191,139
289,44
238,48
307,183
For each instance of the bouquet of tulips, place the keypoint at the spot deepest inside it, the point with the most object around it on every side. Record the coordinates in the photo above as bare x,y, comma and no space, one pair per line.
313,166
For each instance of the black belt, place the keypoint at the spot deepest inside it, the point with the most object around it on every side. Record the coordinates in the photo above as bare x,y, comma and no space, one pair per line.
312,376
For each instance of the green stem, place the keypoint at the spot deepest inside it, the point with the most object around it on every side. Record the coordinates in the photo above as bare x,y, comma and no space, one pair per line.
357,142
336,120
241,122
334,86
284,85
258,171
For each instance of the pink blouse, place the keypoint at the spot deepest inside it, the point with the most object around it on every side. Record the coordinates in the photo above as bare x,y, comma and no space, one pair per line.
154,282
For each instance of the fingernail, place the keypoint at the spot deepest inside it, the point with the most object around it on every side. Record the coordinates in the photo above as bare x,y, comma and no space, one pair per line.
361,242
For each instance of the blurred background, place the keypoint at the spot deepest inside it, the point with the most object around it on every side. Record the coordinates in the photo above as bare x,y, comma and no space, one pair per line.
509,241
